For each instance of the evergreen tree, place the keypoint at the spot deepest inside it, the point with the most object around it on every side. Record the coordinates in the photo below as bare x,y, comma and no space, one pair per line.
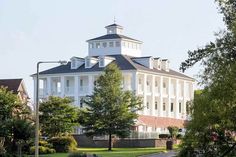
57,116
110,110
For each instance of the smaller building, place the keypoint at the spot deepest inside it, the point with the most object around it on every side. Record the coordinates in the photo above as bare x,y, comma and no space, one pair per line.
17,86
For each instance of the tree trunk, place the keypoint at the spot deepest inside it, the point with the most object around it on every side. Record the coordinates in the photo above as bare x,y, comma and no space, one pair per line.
109,142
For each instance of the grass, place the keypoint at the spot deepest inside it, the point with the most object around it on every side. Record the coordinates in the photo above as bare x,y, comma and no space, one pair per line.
116,152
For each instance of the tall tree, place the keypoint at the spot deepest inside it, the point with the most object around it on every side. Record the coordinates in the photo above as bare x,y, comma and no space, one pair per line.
57,116
14,116
110,110
213,125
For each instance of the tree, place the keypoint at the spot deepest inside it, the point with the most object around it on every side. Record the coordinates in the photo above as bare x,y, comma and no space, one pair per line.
110,110
213,125
173,130
57,116
14,116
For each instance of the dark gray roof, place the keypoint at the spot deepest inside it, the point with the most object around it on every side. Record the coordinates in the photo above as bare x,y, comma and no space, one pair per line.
113,36
124,62
114,25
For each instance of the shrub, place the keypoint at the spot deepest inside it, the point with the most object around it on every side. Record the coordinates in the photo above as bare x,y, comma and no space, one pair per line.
164,135
63,143
179,136
42,150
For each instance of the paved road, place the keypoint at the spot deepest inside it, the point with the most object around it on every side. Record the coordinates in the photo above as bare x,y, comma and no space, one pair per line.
167,154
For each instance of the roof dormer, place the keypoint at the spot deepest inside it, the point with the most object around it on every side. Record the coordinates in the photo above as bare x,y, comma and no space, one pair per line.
90,61
76,62
114,29
165,64
105,60
145,61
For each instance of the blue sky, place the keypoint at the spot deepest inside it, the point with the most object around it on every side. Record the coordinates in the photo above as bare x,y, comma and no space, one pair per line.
32,31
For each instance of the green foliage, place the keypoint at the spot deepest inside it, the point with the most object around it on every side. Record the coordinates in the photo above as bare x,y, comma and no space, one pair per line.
111,111
173,130
63,143
42,150
212,128
15,123
57,116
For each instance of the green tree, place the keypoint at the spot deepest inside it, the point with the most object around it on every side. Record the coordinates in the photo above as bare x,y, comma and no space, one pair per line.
213,125
110,110
14,116
173,130
57,116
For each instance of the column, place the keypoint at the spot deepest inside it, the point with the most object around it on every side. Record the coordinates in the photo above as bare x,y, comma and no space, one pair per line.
184,100
153,111
90,84
49,88
176,110
160,104
62,86
169,98
134,82
144,94
76,90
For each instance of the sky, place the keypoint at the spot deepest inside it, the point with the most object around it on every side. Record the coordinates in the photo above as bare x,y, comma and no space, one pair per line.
32,31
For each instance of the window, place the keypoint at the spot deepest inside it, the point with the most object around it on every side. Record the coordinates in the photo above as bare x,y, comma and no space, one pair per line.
171,107
104,44
127,44
147,83
124,44
111,44
155,105
87,64
180,107
117,44
91,45
67,83
101,62
156,83
81,82
164,106
73,63
97,45
147,105
139,81
164,85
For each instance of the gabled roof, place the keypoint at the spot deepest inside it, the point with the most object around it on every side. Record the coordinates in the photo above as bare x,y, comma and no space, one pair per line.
124,62
112,25
113,36
11,84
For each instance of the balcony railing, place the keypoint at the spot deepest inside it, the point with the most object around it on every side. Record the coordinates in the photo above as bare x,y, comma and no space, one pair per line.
69,90
165,91
156,90
140,88
83,89
149,89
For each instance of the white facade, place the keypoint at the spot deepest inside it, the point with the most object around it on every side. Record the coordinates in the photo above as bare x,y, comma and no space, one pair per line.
164,93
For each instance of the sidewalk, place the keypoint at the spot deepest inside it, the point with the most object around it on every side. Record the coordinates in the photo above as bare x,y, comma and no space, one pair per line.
167,154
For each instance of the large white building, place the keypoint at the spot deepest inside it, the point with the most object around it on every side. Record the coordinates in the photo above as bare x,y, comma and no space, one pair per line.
164,91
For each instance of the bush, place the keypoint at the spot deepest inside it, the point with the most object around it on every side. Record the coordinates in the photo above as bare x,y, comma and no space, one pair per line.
42,150
179,136
164,135
63,143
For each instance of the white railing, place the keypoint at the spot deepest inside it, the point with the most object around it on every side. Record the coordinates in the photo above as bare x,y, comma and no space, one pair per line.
149,89
156,90
140,88
69,90
165,91
83,89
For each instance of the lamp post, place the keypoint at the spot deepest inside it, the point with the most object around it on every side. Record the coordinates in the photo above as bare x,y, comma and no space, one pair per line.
37,106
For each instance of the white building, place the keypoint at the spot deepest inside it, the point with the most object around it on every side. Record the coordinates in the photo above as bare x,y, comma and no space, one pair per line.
164,91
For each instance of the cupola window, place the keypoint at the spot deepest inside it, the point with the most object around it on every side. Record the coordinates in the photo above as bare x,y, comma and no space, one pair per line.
111,44
117,44
97,45
104,44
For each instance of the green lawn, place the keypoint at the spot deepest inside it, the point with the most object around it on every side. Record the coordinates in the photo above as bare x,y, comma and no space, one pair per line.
116,152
